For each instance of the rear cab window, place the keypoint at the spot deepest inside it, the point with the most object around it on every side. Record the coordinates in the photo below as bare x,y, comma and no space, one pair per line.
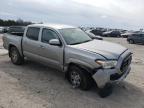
33,33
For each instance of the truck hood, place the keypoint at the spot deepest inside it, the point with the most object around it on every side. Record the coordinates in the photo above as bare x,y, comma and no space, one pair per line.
107,49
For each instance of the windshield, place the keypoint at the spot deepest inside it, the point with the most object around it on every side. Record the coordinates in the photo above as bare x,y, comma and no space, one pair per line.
74,36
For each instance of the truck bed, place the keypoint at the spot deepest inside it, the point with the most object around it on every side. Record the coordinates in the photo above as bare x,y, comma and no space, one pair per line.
9,39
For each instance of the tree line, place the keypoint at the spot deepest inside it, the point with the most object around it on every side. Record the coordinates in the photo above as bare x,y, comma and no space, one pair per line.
18,22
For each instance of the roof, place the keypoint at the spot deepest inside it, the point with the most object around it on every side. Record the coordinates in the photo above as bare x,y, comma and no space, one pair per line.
54,26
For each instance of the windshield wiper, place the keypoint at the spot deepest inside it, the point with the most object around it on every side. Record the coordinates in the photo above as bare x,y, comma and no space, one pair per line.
86,41
80,42
76,43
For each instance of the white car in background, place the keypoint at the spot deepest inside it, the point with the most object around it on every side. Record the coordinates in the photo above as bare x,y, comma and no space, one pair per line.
1,29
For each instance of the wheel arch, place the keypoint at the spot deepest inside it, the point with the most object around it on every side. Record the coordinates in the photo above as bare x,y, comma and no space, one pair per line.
87,69
9,47
133,41
17,47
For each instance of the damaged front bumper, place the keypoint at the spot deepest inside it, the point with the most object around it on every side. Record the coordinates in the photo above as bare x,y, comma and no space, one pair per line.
119,73
105,76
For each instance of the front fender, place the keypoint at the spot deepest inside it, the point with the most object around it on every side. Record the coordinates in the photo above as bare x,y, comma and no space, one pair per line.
82,64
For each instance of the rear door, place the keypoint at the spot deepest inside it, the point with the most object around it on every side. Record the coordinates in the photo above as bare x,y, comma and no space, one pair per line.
31,43
52,55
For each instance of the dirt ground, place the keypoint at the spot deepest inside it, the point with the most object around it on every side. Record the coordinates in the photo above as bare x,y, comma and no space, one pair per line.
35,86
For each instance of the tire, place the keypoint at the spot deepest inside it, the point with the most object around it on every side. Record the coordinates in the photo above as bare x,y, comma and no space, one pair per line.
131,41
106,91
15,56
79,78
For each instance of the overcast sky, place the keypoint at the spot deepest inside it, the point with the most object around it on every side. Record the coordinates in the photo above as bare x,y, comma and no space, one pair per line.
128,14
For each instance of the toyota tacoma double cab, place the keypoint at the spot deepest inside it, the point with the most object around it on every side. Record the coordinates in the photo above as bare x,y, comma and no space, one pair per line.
72,51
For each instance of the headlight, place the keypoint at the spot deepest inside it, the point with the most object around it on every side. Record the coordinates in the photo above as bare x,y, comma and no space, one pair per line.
107,64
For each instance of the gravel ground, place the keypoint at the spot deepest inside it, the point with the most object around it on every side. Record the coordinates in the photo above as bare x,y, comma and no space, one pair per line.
35,86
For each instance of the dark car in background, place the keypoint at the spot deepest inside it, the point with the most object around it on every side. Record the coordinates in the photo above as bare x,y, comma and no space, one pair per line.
136,38
112,34
91,35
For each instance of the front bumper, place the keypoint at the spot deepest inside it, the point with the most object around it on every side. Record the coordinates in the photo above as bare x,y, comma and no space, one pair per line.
105,76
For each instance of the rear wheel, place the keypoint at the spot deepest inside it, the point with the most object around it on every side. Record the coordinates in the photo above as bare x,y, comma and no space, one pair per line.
15,56
78,78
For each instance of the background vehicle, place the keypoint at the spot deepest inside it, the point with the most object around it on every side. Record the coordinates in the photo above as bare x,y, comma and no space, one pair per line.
1,29
97,32
127,34
112,34
91,35
72,51
5,29
16,30
136,38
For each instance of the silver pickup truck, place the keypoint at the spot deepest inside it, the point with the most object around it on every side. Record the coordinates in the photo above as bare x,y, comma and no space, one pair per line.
73,52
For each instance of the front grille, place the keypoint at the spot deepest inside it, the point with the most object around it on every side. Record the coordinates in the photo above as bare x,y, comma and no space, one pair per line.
115,76
125,64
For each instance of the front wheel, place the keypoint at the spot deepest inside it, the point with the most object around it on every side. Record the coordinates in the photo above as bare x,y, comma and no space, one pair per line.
78,78
15,56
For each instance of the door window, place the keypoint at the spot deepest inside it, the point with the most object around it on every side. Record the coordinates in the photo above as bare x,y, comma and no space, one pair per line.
33,33
47,35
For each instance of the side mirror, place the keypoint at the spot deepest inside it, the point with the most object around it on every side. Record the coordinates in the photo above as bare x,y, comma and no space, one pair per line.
55,42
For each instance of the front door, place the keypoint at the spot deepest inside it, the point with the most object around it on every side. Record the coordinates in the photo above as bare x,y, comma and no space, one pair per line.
52,55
